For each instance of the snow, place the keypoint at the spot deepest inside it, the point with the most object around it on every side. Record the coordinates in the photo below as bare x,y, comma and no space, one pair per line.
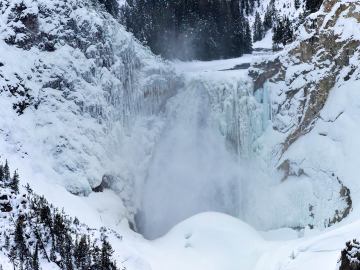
207,241
213,240
265,43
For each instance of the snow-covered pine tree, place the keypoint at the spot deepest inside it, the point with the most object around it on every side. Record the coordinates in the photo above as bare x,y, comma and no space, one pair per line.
283,32
270,14
81,254
35,258
247,36
14,182
106,254
1,175
22,252
258,28
288,34
6,172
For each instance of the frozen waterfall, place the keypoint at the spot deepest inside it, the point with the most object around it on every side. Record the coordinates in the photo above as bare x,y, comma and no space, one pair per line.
194,167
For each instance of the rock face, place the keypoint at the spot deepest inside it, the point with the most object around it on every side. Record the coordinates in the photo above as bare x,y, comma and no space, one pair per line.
325,56
312,66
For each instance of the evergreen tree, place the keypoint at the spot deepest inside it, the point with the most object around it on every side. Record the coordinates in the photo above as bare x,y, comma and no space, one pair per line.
52,251
283,32
14,182
28,189
269,16
68,253
13,256
6,172
81,254
288,33
1,175
7,242
297,4
45,214
96,257
35,258
258,28
106,253
19,240
278,34
247,37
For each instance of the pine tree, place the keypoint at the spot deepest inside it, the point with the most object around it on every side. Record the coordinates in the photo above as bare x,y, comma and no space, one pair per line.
1,175
13,256
297,4
14,182
278,34
96,257
19,240
270,14
106,253
35,258
28,189
247,37
258,28
81,254
288,33
45,214
283,32
52,251
6,171
7,242
27,265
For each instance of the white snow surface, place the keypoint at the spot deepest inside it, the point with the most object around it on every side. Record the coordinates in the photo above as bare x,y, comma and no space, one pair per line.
214,240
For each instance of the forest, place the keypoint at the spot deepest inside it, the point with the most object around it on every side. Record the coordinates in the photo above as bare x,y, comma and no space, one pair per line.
186,29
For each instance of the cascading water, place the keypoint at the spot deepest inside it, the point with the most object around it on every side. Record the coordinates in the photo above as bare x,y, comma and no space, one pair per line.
192,169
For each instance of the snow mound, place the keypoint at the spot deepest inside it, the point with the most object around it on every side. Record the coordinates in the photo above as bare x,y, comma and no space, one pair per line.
207,241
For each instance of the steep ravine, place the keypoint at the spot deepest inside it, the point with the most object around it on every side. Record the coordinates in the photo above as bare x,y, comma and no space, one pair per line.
111,118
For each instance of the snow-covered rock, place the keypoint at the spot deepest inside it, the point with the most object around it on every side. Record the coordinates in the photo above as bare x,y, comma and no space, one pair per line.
74,87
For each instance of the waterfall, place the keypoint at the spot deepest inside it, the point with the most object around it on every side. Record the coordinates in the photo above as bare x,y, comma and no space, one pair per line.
192,169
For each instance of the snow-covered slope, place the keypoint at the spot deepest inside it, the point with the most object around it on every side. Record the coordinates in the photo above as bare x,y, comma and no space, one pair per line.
73,85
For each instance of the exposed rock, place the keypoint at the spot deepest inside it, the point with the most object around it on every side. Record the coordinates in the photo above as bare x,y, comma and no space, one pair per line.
345,196
265,71
325,55
350,256
290,169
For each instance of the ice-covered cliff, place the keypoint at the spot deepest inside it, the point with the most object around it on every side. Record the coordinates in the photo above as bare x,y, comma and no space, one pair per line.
311,124
74,87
